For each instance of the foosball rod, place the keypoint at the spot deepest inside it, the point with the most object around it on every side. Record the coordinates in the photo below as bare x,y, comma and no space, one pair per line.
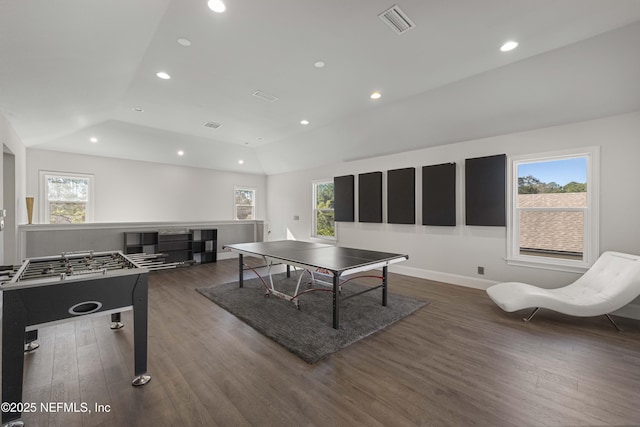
31,273
139,257
75,263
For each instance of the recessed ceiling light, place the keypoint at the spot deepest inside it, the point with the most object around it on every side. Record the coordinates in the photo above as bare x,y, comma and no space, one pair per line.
319,64
180,153
217,6
163,75
510,45
240,162
376,95
93,139
137,109
304,122
182,41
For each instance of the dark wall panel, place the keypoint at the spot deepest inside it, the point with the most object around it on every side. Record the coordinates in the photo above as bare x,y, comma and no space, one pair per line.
439,195
344,203
401,196
370,197
485,190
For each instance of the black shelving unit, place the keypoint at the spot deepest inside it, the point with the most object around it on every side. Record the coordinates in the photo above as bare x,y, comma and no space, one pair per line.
179,245
176,245
204,245
140,242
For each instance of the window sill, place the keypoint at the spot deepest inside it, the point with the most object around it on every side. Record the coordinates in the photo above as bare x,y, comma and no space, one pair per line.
567,266
331,240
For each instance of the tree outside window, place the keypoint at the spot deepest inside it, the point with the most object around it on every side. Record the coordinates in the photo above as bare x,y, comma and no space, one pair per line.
323,213
66,198
245,203
554,209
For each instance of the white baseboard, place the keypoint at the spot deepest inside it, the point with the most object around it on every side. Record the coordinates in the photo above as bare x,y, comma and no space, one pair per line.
631,311
226,255
438,276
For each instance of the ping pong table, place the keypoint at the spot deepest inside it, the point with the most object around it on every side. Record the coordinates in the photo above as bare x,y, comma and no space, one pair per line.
334,261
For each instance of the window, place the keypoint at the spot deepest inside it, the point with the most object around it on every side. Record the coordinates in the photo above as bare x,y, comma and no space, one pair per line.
553,221
323,214
245,203
66,198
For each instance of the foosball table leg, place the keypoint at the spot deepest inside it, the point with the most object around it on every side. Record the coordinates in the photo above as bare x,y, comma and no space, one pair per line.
116,322
141,380
140,313
30,343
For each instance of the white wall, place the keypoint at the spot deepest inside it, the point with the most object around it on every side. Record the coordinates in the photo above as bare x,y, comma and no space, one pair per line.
130,191
16,208
140,191
452,254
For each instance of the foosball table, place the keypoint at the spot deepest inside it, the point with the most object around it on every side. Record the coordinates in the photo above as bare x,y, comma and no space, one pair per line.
48,290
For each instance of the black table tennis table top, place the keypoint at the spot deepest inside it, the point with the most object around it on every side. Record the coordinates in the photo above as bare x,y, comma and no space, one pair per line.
318,255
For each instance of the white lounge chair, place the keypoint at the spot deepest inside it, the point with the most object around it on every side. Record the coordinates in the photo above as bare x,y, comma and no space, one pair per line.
612,282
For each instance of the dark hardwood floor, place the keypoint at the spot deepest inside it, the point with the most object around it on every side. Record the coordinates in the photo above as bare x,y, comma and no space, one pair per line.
460,361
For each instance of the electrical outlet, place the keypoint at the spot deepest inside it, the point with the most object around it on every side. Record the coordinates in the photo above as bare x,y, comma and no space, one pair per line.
480,270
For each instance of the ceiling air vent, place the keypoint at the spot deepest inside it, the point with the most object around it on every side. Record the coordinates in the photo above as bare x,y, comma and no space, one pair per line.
395,18
265,96
212,125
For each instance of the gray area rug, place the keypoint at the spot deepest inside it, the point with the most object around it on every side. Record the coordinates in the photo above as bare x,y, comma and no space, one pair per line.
308,332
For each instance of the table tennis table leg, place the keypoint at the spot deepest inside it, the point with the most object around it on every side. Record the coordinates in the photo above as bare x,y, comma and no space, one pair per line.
241,270
384,286
336,301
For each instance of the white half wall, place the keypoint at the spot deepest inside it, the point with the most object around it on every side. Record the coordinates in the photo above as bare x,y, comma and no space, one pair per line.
452,254
135,191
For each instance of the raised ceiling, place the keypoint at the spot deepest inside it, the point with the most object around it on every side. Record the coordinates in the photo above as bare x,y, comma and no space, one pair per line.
75,69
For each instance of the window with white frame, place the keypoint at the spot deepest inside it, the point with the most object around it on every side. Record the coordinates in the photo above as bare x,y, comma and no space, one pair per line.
323,213
245,202
66,198
553,199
